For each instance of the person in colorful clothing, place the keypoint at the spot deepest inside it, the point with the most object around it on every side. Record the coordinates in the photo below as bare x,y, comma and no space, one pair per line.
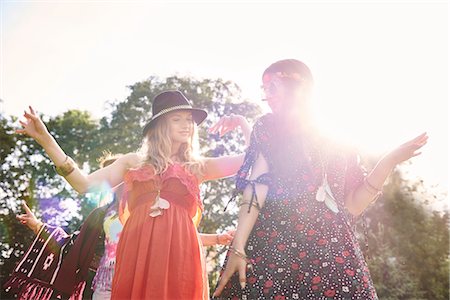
161,190
301,192
57,265
94,261
104,270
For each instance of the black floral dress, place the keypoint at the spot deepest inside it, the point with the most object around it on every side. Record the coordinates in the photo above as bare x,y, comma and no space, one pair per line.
302,248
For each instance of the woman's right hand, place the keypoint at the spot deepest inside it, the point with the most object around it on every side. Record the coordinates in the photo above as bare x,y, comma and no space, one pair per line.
234,264
33,126
228,123
406,151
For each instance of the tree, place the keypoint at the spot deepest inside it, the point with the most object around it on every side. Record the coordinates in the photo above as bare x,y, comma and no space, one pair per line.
409,243
27,173
408,240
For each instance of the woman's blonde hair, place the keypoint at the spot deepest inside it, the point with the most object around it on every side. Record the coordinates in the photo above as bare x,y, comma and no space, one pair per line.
157,146
107,158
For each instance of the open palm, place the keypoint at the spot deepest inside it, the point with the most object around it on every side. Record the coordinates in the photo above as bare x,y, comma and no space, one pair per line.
226,124
407,150
33,125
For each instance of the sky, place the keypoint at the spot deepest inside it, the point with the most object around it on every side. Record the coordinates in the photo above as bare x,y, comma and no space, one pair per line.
380,67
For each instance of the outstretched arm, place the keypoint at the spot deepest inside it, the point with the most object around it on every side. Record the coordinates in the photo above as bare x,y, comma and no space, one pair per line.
112,174
358,200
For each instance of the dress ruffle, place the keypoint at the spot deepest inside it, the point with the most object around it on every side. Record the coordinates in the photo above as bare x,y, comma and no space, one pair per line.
167,242
143,173
177,171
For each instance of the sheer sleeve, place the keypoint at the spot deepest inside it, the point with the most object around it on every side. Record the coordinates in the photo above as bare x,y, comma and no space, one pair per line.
257,142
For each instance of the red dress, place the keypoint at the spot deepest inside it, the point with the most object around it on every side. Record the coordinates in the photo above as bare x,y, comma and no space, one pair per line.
160,256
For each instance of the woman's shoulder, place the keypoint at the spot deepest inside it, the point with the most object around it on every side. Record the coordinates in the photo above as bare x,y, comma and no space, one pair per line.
263,128
264,120
132,160
137,169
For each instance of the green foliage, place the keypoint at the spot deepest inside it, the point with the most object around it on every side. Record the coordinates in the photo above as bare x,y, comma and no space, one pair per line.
408,241
7,138
219,98
27,173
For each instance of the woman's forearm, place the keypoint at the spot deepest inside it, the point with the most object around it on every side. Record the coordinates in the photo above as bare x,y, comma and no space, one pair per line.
247,219
77,179
208,239
363,195
357,201
246,222
112,174
52,149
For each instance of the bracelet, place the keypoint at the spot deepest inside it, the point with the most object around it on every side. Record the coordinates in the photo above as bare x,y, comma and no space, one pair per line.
66,167
239,254
372,190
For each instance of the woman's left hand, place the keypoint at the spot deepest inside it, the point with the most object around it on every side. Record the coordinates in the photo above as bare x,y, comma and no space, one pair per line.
407,150
227,124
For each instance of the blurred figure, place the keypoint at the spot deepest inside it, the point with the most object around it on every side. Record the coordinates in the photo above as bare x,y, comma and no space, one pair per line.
61,269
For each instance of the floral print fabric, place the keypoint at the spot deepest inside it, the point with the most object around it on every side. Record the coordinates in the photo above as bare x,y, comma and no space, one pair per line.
302,249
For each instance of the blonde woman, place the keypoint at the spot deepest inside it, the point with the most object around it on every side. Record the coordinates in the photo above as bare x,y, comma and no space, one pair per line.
109,227
159,254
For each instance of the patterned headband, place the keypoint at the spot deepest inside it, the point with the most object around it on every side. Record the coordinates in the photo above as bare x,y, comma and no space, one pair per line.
282,75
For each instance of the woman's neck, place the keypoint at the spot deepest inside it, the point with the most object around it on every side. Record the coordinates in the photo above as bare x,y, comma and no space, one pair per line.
174,151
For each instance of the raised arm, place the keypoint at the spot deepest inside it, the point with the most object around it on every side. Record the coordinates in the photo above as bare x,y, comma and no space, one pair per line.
358,200
81,182
225,166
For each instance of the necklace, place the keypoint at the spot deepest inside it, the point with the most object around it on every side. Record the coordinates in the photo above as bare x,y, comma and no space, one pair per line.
324,193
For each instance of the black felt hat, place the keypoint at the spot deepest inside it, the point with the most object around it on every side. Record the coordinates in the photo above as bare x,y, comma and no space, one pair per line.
168,101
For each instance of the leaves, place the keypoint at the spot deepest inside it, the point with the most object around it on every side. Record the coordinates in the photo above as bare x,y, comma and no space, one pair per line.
408,241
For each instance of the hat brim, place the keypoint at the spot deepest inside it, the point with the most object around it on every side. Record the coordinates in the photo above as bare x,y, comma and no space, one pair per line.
198,115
